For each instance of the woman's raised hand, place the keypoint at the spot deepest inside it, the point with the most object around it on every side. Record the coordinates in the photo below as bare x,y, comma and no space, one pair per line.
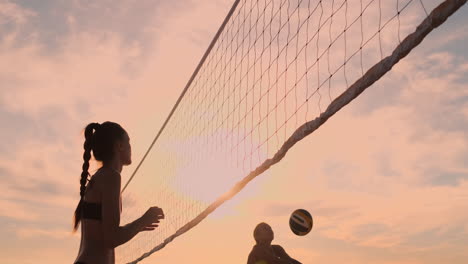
151,218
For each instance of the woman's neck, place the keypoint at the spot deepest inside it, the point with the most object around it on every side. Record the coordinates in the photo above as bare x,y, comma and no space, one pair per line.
264,243
114,165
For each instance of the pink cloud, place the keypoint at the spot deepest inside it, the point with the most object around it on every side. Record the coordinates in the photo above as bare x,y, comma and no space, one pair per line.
26,233
16,211
13,13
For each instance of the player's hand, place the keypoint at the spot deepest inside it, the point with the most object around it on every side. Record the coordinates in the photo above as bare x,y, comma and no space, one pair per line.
151,218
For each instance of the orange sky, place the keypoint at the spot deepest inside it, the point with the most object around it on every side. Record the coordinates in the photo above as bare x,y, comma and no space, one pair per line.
385,179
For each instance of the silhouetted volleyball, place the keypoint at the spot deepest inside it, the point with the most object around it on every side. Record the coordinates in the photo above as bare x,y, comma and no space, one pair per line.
301,222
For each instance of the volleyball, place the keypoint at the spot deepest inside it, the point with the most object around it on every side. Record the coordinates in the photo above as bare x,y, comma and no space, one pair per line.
301,222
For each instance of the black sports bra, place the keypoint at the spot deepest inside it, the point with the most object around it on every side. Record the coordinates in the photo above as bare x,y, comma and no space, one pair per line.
91,210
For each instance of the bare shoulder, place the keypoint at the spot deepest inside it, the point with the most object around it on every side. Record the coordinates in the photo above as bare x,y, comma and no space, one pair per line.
252,256
279,250
259,251
107,178
277,247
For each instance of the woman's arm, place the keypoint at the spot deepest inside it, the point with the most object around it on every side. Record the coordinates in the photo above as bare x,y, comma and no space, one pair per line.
114,234
280,252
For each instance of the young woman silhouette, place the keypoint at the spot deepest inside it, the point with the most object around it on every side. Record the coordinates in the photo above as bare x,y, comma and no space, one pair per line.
266,253
100,204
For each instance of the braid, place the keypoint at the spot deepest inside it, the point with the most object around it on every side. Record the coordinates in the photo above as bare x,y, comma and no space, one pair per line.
86,157
88,146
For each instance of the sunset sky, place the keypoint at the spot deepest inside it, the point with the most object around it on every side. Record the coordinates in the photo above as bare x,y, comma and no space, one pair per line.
386,178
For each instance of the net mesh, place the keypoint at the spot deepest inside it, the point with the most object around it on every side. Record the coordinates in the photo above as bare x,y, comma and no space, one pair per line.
274,73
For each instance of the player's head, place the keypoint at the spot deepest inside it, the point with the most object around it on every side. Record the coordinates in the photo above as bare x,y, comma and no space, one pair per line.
108,141
263,233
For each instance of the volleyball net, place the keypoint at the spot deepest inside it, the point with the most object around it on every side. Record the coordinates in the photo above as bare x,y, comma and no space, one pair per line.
275,72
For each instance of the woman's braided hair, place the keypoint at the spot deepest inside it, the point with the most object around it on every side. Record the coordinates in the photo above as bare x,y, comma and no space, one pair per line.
100,139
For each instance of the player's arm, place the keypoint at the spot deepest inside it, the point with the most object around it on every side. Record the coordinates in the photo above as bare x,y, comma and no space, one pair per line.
281,253
114,234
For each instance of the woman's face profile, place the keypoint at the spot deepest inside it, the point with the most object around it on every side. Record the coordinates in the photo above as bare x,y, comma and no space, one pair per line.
125,150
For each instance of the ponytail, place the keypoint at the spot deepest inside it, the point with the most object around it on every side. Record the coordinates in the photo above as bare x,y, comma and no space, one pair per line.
88,146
